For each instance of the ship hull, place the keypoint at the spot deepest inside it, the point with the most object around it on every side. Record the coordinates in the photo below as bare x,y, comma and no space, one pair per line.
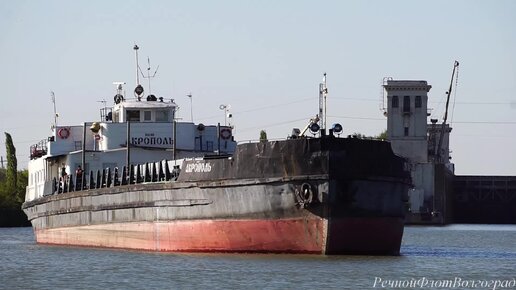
318,200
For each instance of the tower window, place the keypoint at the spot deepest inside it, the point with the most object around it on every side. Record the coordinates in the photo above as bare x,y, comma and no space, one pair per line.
406,131
406,104
395,102
418,101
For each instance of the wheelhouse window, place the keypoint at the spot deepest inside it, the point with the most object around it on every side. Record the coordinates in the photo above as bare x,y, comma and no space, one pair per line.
133,115
162,116
147,116
395,102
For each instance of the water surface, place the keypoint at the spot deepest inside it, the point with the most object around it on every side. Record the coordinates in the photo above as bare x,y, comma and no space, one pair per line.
469,252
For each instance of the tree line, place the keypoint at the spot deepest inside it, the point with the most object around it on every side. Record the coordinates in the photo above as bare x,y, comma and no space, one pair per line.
12,181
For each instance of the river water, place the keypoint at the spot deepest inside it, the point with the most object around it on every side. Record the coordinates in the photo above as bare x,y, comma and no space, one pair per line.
430,258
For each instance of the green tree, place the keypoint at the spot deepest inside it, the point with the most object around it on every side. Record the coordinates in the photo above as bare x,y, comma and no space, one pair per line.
382,135
4,197
263,135
2,175
23,181
13,198
12,165
358,135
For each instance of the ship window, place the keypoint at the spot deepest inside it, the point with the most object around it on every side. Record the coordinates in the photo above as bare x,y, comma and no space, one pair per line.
133,115
78,145
418,101
395,102
406,104
209,146
147,115
162,116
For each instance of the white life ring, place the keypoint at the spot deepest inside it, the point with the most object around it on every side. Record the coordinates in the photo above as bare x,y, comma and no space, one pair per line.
63,133
225,133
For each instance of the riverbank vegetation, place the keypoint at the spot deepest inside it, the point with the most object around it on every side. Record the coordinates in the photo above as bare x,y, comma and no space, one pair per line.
12,188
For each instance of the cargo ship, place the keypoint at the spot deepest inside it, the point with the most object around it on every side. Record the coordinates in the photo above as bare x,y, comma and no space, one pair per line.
139,179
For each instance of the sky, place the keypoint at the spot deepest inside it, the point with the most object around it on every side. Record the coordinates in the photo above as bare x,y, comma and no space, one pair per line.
265,59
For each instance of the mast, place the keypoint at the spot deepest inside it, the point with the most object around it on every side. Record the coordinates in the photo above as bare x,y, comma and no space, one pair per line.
55,112
443,126
137,65
323,92
191,106
138,91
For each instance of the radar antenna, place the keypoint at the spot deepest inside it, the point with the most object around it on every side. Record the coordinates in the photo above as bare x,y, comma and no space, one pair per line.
148,77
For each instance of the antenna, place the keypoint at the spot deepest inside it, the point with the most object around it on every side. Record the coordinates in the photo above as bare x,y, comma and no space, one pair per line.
191,106
119,97
148,74
119,87
137,65
55,113
103,102
323,92
226,109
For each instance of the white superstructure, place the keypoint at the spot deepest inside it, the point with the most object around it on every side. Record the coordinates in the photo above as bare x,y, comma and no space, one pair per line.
148,126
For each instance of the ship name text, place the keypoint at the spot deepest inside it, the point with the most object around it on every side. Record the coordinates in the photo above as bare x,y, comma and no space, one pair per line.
199,167
151,140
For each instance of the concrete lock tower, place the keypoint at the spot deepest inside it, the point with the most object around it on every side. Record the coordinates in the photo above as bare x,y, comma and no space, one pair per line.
413,138
406,118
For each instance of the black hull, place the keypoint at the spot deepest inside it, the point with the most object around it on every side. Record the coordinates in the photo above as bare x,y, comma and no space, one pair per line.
325,196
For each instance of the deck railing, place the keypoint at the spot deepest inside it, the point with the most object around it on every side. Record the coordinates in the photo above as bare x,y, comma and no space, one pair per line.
140,173
39,149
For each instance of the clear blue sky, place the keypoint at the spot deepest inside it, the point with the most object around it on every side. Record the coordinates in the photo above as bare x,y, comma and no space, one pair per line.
265,58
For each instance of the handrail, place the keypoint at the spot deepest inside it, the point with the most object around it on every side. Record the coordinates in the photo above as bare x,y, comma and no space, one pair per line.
139,173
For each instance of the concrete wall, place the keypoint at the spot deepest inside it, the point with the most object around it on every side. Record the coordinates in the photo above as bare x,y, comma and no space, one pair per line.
484,199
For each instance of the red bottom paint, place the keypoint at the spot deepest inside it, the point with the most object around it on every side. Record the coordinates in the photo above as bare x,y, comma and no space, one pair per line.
345,236
268,236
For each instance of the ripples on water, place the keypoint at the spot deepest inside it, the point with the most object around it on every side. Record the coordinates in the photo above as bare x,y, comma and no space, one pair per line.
465,251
